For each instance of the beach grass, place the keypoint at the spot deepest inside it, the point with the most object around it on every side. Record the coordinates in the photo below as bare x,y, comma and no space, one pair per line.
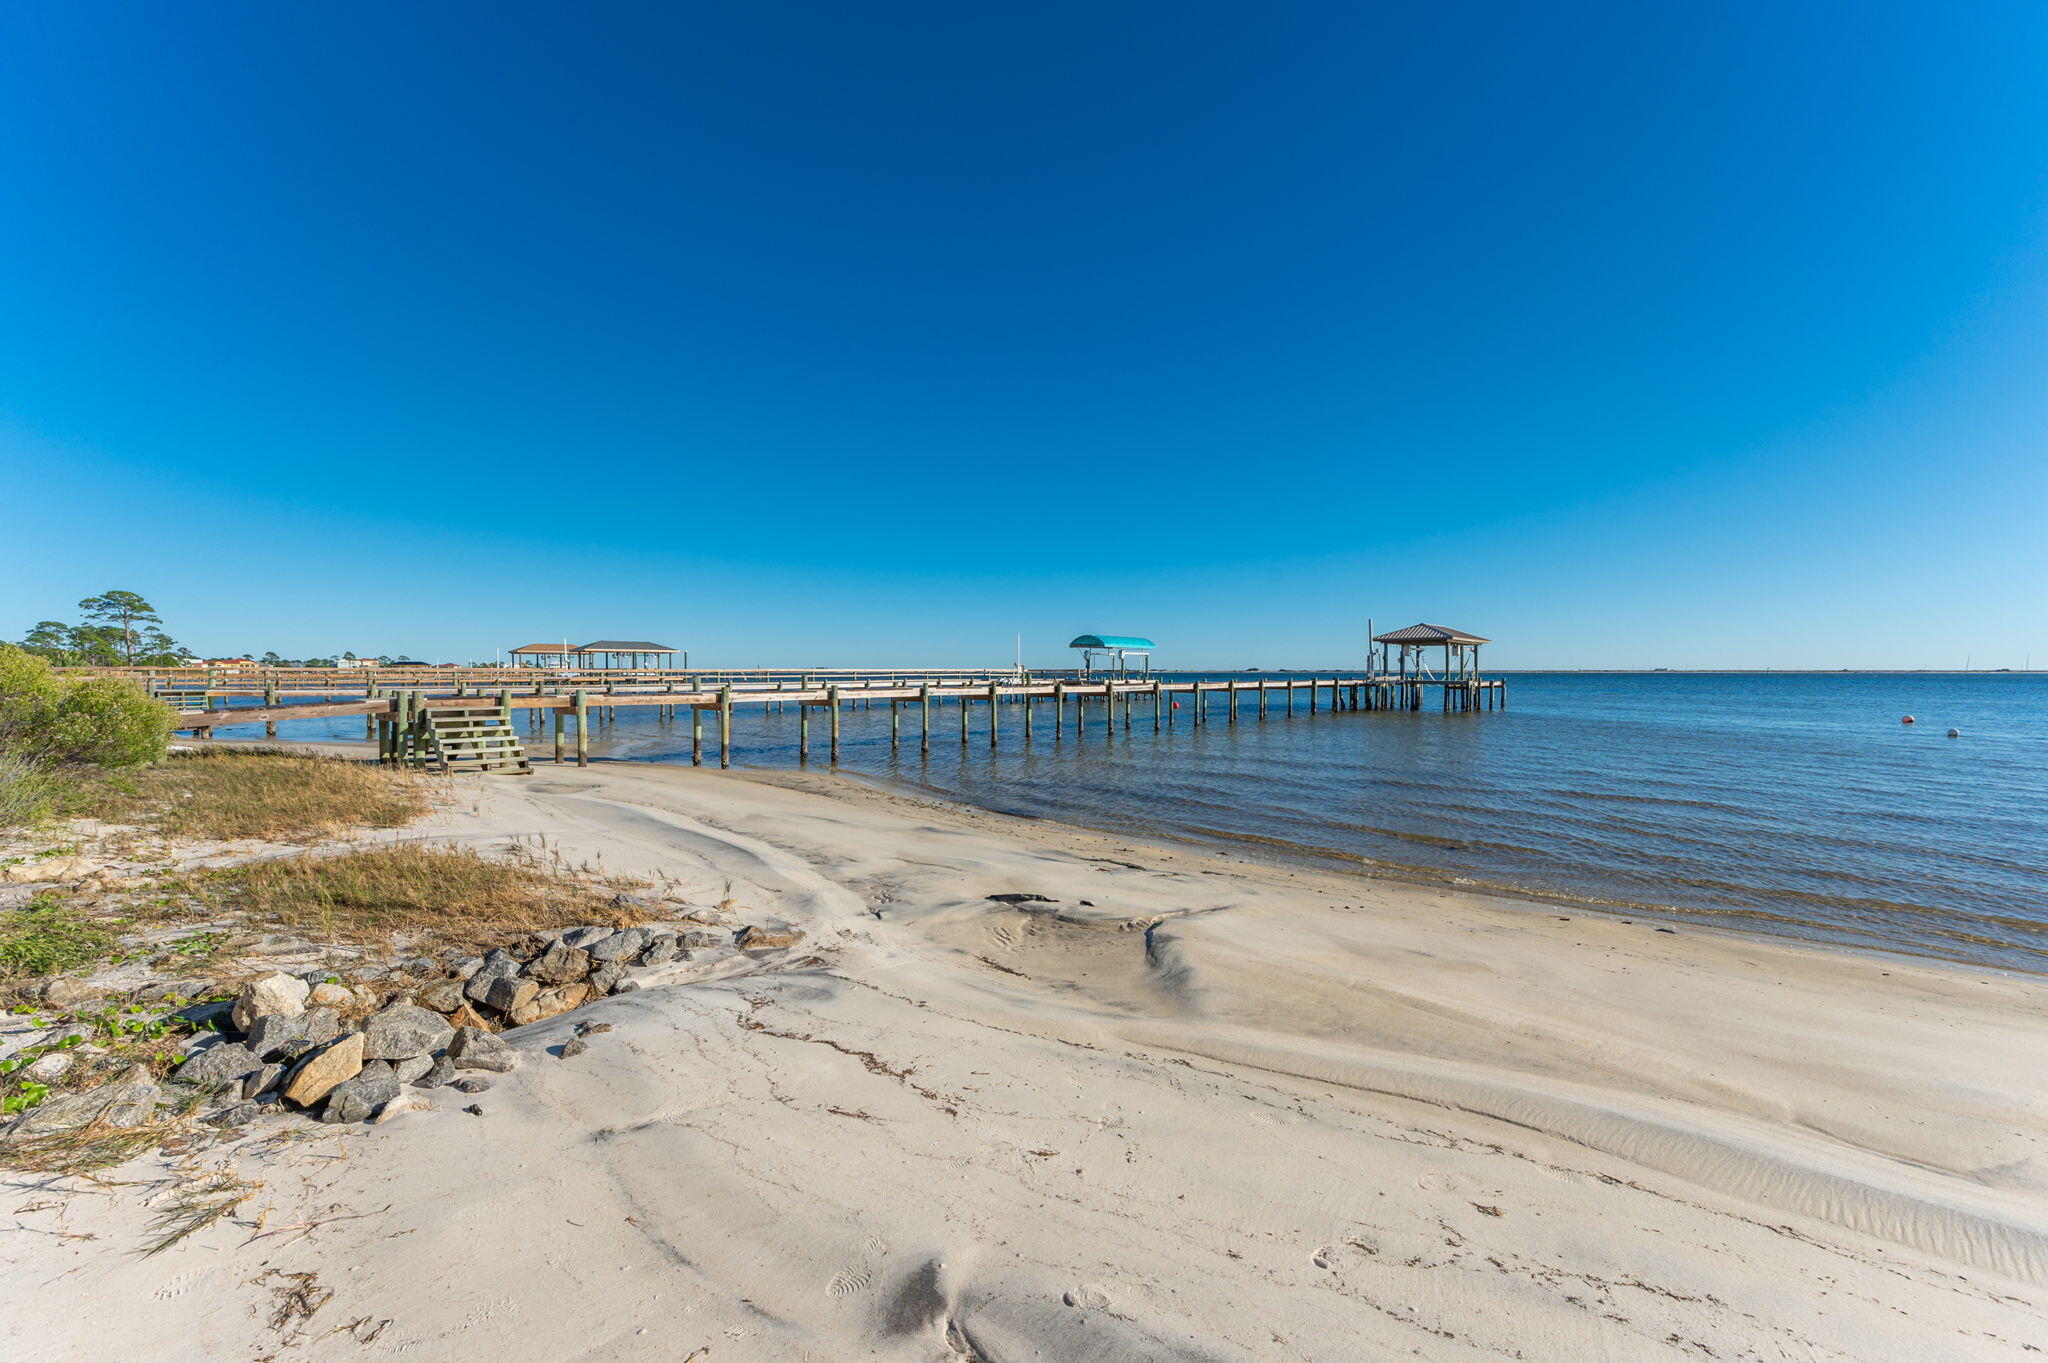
436,896
48,937
229,794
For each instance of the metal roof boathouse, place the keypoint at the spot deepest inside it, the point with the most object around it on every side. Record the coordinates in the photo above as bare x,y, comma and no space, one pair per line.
1116,647
1400,659
615,653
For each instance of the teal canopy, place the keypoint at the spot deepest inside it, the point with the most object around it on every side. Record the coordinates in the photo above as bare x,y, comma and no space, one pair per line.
1129,642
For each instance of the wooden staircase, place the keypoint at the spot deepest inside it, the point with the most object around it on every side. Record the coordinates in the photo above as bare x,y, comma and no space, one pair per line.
472,738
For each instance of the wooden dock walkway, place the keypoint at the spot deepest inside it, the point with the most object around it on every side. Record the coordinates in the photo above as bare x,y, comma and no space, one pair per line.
391,717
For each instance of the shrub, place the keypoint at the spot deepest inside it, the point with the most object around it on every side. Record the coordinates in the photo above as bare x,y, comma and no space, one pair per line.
29,793
96,722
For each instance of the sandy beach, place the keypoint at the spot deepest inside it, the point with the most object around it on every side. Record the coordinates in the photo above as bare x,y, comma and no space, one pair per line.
1184,1106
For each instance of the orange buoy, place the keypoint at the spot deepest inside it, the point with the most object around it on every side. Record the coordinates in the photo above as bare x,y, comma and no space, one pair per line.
1906,720
1955,733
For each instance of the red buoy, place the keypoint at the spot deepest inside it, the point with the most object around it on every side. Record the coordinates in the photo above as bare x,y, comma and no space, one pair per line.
1907,720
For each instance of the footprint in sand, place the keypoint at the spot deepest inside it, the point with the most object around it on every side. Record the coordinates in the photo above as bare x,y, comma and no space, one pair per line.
848,1281
176,1287
1087,1298
1438,1183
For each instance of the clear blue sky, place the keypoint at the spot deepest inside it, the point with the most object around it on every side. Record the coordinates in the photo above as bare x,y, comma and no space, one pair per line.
866,333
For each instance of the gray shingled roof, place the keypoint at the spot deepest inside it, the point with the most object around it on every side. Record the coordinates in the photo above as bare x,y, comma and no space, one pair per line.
1428,634
622,646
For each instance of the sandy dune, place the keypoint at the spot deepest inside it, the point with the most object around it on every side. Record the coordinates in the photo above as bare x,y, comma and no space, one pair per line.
1194,1109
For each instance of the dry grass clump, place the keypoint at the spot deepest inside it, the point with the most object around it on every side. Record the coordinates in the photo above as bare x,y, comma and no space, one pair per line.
281,796
436,896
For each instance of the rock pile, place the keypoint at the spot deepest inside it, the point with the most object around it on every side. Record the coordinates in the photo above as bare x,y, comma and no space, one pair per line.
344,1050
287,1044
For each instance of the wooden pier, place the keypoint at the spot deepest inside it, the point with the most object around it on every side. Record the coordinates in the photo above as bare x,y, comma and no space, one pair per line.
401,716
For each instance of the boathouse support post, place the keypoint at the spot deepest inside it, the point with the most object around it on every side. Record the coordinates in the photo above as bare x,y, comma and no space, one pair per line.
832,699
924,720
558,735
696,734
1059,710
724,726
993,723
803,732
582,699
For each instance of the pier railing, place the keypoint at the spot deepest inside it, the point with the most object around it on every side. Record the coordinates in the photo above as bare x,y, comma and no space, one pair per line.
387,716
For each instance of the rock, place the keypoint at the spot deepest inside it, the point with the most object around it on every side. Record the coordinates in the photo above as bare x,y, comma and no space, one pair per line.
468,966
201,1017
574,1046
607,976
273,1033
125,1101
470,1083
466,1016
508,992
700,939
622,945
277,944
278,993
443,996
626,986
407,1071
193,1045
475,1050
222,1064
499,964
331,996
357,1099
551,1003
319,1072
661,950
560,964
440,1071
757,938
262,1081
47,870
592,1028
48,1069
234,1114
402,1104
585,938
69,994
1023,899
403,1031
474,1110
317,1027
